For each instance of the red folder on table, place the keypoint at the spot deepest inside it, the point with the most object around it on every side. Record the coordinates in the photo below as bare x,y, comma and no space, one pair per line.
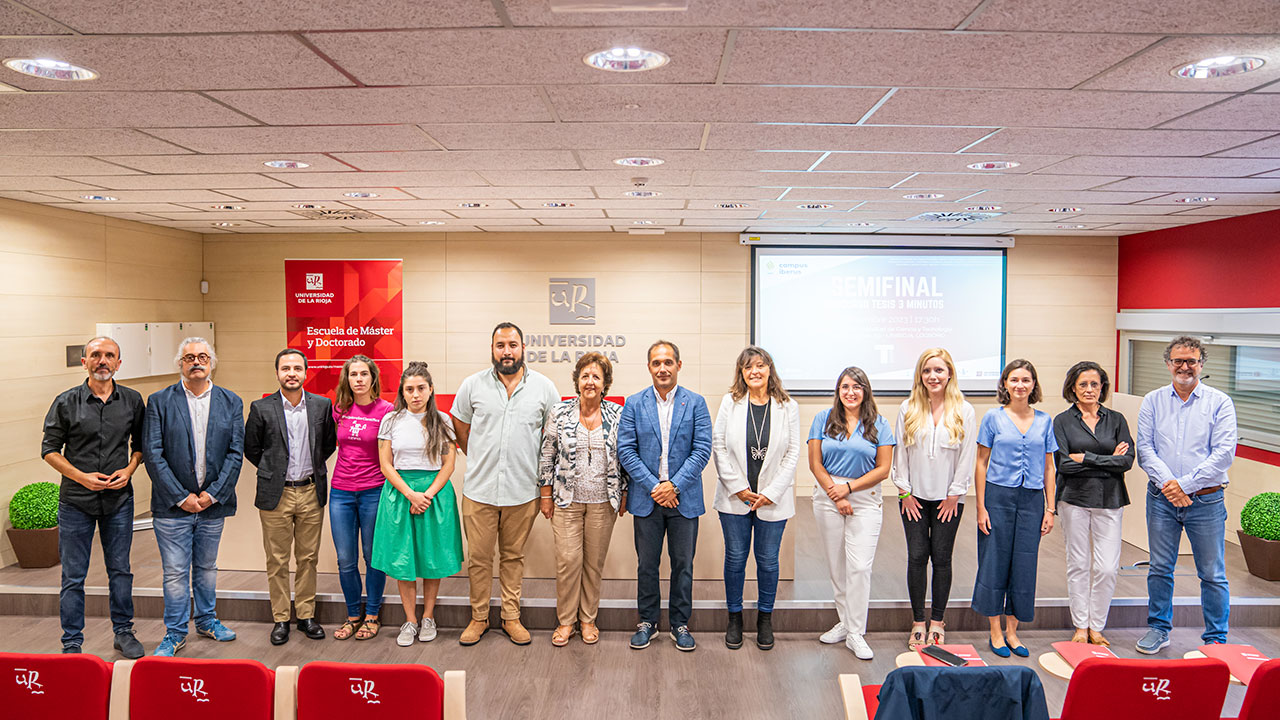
1075,653
1242,660
968,652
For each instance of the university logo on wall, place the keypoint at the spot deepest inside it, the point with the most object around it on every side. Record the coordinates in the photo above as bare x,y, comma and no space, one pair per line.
572,301
315,281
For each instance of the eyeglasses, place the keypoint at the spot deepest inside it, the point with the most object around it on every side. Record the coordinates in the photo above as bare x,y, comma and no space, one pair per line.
202,357
1188,362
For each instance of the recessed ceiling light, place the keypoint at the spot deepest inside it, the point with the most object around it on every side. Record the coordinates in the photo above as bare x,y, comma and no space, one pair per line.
557,204
1064,209
98,198
638,161
644,222
625,59
430,222
814,206
287,164
226,224
361,195
862,224
642,193
472,205
982,208
1218,67
732,206
49,69
1070,227
1199,199
226,207
631,106
994,165
309,206
923,196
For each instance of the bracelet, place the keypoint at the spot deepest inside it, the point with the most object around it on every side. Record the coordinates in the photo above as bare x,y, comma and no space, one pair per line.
904,496
850,486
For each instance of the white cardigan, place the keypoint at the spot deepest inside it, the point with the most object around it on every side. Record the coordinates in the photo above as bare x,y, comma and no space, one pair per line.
777,476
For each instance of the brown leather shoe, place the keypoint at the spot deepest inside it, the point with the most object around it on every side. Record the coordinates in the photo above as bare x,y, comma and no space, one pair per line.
1081,636
473,632
1096,638
514,630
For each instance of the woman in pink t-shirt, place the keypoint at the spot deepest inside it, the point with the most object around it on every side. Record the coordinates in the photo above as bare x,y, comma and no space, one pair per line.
355,488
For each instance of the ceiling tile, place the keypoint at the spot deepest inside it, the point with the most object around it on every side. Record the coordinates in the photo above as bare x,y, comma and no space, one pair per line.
1162,166
484,193
1089,141
112,109
531,57
198,62
300,223
750,136
908,208
930,59
463,160
58,165
442,178
82,142
929,162
1059,198
1151,70
345,138
1224,199
992,181
566,136
1038,108
363,106
1268,148
551,178
502,213
1198,185
656,203
1158,16
228,215
162,16
940,14
805,194
1247,112
745,194
307,195
207,164
797,179
1093,209
1223,210
314,230
252,206
181,182
119,208
711,103
159,196
706,159
29,183
15,20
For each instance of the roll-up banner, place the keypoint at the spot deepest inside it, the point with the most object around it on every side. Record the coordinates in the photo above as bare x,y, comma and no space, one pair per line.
339,308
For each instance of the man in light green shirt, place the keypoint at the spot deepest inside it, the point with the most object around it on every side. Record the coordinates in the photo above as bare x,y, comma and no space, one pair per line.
498,415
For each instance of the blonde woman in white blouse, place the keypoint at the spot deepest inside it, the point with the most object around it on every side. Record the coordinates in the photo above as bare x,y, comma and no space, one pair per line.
933,469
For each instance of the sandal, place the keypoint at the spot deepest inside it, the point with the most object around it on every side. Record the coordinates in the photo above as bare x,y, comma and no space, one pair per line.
347,630
561,636
1096,638
915,640
369,629
937,633
1081,636
590,633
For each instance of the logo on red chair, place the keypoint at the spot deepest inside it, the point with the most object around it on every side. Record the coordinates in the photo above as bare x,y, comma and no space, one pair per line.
1159,687
364,688
29,679
193,687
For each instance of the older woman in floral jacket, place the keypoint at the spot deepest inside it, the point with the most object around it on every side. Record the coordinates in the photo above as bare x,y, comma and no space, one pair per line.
582,493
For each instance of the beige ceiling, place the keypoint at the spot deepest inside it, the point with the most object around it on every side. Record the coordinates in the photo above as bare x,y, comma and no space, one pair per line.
769,104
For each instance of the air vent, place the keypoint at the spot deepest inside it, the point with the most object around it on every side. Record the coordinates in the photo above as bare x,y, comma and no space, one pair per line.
956,216
338,215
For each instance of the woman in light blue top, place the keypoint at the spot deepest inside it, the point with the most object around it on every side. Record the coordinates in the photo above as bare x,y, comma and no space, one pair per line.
1015,484
850,449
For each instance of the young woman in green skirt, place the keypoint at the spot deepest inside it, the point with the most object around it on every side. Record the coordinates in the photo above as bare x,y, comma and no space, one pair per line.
417,534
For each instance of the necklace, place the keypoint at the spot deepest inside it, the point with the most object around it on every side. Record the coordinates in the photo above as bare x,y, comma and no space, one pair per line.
759,449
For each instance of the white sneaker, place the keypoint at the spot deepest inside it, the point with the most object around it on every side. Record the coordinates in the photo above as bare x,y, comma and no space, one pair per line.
859,646
836,634
407,633
427,632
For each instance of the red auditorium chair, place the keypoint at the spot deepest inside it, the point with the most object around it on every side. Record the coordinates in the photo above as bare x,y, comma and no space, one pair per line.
860,702
156,688
54,686
1262,699
341,691
1120,689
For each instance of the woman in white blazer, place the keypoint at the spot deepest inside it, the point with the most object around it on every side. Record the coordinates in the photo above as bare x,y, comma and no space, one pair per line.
756,445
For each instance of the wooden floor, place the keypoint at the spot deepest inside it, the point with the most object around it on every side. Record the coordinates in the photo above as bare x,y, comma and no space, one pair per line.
797,679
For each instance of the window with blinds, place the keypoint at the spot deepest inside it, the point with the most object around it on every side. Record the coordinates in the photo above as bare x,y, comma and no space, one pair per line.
1250,374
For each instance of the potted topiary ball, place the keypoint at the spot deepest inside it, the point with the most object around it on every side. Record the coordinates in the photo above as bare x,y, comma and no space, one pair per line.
1260,535
33,512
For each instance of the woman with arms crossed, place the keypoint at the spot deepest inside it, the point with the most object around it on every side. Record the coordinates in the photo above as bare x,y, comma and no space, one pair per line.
932,468
850,449
1014,478
756,445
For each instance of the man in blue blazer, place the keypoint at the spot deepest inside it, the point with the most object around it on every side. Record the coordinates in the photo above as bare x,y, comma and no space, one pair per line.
664,442
193,445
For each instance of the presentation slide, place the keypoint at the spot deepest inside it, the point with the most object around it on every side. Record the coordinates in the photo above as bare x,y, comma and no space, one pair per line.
820,310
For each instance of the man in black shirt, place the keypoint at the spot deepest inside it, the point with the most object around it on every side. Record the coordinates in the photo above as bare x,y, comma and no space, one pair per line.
93,437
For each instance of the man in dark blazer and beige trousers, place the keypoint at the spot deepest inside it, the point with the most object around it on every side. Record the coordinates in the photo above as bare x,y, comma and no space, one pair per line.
288,437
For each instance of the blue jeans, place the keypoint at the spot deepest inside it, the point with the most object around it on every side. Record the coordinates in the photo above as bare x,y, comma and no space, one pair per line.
75,545
351,519
1205,521
189,558
737,543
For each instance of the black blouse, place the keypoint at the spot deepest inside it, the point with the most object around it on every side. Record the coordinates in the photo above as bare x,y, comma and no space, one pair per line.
1098,482
757,446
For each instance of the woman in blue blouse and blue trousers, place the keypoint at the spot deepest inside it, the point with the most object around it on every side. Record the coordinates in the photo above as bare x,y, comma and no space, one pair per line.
1015,486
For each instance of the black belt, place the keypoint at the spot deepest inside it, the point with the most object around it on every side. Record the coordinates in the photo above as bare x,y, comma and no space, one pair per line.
300,483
